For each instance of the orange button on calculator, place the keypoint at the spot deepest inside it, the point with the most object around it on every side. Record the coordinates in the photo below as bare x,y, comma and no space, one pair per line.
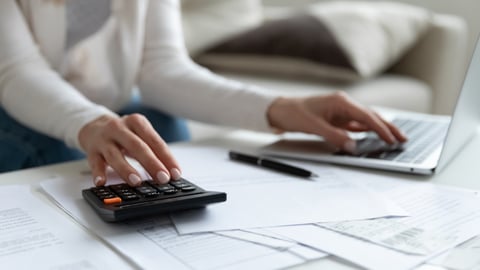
112,200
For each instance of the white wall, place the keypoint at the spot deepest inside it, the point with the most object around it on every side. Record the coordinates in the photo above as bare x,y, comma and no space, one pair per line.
468,9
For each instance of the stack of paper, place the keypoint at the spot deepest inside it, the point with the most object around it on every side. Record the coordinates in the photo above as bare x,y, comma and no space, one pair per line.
33,235
273,221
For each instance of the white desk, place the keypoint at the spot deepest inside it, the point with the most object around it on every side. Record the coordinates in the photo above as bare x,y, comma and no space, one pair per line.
463,171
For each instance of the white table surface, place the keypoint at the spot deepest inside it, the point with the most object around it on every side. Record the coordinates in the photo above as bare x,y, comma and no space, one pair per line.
463,171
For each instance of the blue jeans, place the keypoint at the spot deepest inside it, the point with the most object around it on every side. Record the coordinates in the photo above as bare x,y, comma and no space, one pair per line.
22,147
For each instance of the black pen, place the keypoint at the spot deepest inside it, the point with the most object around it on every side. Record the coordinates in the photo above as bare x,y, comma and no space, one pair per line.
270,164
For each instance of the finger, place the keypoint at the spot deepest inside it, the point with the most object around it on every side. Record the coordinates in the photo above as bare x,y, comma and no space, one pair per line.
115,158
142,152
143,129
98,166
138,149
395,131
336,136
355,127
372,121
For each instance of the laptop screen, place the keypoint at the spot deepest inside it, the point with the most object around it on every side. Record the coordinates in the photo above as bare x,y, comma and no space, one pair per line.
467,112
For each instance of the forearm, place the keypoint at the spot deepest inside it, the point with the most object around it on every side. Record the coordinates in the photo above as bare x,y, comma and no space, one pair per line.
197,94
170,81
39,98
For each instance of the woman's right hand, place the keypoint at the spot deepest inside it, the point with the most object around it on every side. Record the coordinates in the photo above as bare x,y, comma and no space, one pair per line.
107,140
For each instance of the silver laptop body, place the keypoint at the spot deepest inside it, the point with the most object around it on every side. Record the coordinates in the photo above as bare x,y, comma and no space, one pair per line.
433,140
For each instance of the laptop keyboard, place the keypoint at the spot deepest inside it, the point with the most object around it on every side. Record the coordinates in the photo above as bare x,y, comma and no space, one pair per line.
423,137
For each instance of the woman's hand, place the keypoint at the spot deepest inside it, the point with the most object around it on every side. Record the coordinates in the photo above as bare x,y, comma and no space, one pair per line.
108,139
330,116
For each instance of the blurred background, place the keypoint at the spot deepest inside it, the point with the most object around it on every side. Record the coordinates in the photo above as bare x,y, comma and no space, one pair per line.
468,9
426,78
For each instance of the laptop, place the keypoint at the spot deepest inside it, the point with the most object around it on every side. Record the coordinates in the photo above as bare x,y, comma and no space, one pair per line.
433,140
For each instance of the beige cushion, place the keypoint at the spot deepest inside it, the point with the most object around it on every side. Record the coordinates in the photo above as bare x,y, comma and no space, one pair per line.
339,40
388,90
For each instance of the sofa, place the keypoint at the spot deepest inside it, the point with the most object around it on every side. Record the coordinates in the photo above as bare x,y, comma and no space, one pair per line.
426,79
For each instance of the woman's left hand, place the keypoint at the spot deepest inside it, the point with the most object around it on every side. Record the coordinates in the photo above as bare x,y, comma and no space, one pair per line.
330,116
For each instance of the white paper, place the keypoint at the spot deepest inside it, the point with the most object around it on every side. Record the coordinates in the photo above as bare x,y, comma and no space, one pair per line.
150,241
257,197
267,238
307,253
34,236
439,217
356,251
430,267
463,257
258,239
442,218
197,250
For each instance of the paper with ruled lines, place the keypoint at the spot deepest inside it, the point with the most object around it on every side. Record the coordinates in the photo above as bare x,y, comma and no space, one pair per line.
146,242
34,236
441,218
257,197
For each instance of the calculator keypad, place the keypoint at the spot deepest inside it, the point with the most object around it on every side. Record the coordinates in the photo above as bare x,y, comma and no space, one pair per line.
149,190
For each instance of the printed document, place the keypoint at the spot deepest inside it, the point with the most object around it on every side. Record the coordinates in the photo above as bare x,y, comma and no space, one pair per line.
441,219
305,252
34,236
257,197
146,242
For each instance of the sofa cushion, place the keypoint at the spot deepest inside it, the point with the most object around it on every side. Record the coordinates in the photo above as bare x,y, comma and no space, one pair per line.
340,40
387,90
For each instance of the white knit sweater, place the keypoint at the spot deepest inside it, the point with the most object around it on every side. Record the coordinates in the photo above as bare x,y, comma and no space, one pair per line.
141,45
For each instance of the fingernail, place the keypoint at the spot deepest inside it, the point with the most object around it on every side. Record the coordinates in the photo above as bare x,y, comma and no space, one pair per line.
163,177
350,146
134,179
97,180
175,173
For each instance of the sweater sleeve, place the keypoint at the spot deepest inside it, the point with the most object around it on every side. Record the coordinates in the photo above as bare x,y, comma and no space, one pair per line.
31,91
170,81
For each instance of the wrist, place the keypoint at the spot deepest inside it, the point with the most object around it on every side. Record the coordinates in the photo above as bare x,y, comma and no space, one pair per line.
86,132
277,111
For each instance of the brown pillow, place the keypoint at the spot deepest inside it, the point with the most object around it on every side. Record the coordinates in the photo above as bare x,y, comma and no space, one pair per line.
296,45
334,40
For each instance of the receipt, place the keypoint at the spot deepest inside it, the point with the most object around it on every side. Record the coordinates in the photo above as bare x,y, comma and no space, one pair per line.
392,233
439,218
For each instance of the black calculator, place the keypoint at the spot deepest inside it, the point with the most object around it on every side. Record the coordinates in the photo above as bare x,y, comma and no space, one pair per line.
121,202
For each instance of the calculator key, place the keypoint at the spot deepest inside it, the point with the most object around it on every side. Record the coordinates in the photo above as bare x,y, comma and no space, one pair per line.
114,200
130,197
188,188
128,193
170,191
100,190
108,196
179,182
119,186
162,187
102,194
180,185
151,194
145,190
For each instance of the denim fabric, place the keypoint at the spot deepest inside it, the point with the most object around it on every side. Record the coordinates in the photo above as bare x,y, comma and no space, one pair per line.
22,147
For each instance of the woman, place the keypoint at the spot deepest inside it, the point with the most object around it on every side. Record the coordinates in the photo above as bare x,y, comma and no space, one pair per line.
67,74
